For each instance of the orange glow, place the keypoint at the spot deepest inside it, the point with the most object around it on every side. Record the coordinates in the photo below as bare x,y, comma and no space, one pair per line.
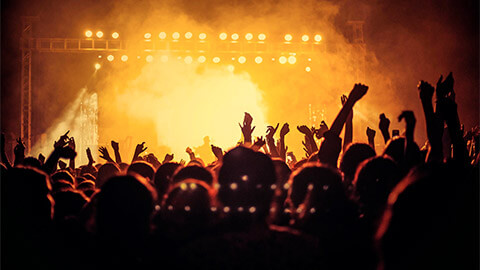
223,36
288,37
110,58
318,38
115,35
262,37
308,69
249,36
88,33
97,66
99,34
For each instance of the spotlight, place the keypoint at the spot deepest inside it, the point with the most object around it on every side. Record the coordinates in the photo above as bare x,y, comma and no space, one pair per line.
124,58
292,59
201,59
110,58
164,58
223,36
202,36
305,38
188,59
288,37
149,58
88,33
235,36
97,66
99,56
282,59
188,35
147,36
262,36
162,35
242,59
318,38
307,69
248,36
115,35
176,35
258,59
216,60
99,34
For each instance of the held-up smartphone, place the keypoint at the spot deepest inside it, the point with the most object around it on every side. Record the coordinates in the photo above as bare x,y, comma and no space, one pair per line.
395,132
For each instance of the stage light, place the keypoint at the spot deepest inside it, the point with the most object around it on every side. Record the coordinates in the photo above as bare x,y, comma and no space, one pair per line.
201,59
88,33
305,38
216,60
235,36
115,35
149,58
248,36
99,34
288,37
97,66
223,36
282,59
292,59
242,59
124,58
188,35
147,36
110,58
162,35
318,38
99,56
258,59
202,36
176,35
262,36
188,59
308,69
164,58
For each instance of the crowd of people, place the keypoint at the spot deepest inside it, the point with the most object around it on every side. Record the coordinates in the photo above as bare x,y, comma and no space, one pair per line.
344,206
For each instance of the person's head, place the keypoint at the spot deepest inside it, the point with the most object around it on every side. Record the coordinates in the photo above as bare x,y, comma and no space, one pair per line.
142,168
32,162
68,203
62,185
395,149
352,157
245,184
124,207
87,187
123,167
163,178
105,172
63,175
193,171
374,180
88,169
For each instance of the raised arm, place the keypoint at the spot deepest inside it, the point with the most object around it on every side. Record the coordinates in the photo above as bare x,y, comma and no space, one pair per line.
271,141
116,150
247,128
282,148
140,148
190,153
19,152
348,137
384,125
104,154
71,164
371,137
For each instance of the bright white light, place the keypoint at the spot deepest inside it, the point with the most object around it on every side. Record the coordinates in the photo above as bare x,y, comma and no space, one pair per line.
201,59
262,36
149,58
282,59
162,35
176,35
97,66
110,58
147,36
99,34
292,59
115,35
124,58
188,35
216,60
248,36
258,59
235,36
188,59
223,36
233,186
305,38
242,59
318,38
308,69
252,209
164,58
202,36
288,37
88,33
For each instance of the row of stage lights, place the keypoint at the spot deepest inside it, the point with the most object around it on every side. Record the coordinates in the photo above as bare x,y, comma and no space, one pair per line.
203,36
202,59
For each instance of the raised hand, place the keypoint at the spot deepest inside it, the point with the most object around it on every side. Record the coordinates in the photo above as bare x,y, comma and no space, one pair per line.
323,128
19,152
217,151
89,156
41,158
104,154
259,143
425,91
116,151
409,118
359,90
247,128
271,131
305,130
168,158
71,143
190,153
445,88
343,99
114,145
370,133
285,129
384,123
62,141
